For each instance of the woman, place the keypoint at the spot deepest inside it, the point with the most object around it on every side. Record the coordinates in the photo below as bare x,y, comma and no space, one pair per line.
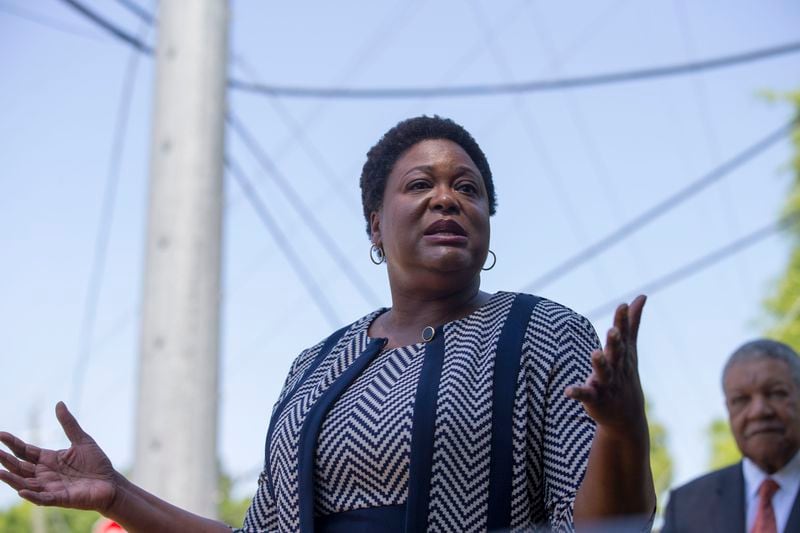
454,410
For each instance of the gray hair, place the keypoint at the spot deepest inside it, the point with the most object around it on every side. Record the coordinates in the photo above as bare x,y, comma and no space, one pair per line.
765,348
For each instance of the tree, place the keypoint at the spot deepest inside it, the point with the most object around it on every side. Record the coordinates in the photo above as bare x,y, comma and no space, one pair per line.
660,460
231,511
18,519
724,451
783,305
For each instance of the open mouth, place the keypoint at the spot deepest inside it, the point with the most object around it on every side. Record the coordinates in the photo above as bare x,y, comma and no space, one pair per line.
446,227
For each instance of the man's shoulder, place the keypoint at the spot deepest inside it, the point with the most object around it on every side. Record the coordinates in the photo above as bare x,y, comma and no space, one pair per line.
714,498
700,486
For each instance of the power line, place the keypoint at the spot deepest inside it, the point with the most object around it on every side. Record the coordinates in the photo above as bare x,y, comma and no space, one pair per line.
45,21
698,264
137,11
531,129
104,230
597,164
261,156
110,27
659,209
729,213
465,90
297,203
280,239
298,133
516,87
266,163
381,34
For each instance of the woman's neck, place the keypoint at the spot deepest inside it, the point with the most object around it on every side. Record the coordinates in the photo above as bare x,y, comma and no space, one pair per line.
413,310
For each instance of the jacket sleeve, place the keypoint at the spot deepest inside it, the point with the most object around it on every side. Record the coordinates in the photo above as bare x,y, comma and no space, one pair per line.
262,515
567,430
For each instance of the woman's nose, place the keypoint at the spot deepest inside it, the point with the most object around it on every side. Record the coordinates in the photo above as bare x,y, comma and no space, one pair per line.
443,200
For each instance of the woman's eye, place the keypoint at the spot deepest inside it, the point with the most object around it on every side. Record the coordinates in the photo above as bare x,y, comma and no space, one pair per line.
468,188
418,185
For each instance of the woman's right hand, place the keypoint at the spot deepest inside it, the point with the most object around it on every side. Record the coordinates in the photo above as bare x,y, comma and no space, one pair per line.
80,477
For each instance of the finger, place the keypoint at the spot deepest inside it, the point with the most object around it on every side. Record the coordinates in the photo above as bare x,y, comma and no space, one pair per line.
621,320
613,349
47,499
22,468
600,366
12,480
18,483
20,448
635,315
581,393
72,429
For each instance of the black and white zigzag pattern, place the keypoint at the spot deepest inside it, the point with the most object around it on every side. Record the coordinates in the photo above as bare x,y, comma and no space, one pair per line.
262,515
460,476
364,445
552,433
283,449
361,449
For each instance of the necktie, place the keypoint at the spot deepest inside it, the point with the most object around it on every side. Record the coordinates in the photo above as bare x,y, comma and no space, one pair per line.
765,514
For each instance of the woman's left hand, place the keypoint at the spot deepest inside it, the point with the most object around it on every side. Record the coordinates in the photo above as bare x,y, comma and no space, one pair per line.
612,394
618,480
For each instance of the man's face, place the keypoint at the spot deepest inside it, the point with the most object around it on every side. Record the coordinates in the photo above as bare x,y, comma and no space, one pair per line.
764,411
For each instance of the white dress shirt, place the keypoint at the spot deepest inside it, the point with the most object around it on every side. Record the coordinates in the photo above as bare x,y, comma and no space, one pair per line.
789,480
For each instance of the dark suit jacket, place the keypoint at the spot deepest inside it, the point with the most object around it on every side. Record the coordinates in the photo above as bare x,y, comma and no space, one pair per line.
715,503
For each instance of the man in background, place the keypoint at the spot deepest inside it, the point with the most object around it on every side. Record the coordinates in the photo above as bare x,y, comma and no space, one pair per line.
761,382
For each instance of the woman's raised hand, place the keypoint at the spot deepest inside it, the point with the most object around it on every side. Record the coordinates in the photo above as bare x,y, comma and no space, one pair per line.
612,394
80,477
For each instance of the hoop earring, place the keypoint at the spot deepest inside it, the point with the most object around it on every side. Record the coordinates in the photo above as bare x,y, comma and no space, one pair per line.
376,254
494,261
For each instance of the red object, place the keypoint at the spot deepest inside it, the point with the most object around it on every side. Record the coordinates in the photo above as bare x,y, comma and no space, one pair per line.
765,516
104,525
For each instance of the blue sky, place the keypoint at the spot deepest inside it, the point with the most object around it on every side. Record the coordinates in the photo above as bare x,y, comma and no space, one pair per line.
570,167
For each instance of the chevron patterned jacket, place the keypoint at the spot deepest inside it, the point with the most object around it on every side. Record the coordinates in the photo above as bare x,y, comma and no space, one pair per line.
468,432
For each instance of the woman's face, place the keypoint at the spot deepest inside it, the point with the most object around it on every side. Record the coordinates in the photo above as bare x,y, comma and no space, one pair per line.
435,213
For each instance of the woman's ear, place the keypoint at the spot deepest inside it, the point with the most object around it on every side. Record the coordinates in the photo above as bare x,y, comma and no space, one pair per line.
375,227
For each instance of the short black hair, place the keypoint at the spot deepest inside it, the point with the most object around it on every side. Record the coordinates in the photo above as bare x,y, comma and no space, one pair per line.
767,348
382,157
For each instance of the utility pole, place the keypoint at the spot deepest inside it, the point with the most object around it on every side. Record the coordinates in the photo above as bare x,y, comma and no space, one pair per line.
176,419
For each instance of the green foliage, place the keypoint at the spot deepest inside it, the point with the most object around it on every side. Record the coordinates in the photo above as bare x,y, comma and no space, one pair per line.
724,451
660,460
231,511
16,519
20,519
783,305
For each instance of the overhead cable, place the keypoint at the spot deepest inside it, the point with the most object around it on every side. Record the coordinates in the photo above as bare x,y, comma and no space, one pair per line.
137,11
104,226
386,93
697,265
467,90
305,277
110,27
662,207
45,21
297,203
266,163
530,128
